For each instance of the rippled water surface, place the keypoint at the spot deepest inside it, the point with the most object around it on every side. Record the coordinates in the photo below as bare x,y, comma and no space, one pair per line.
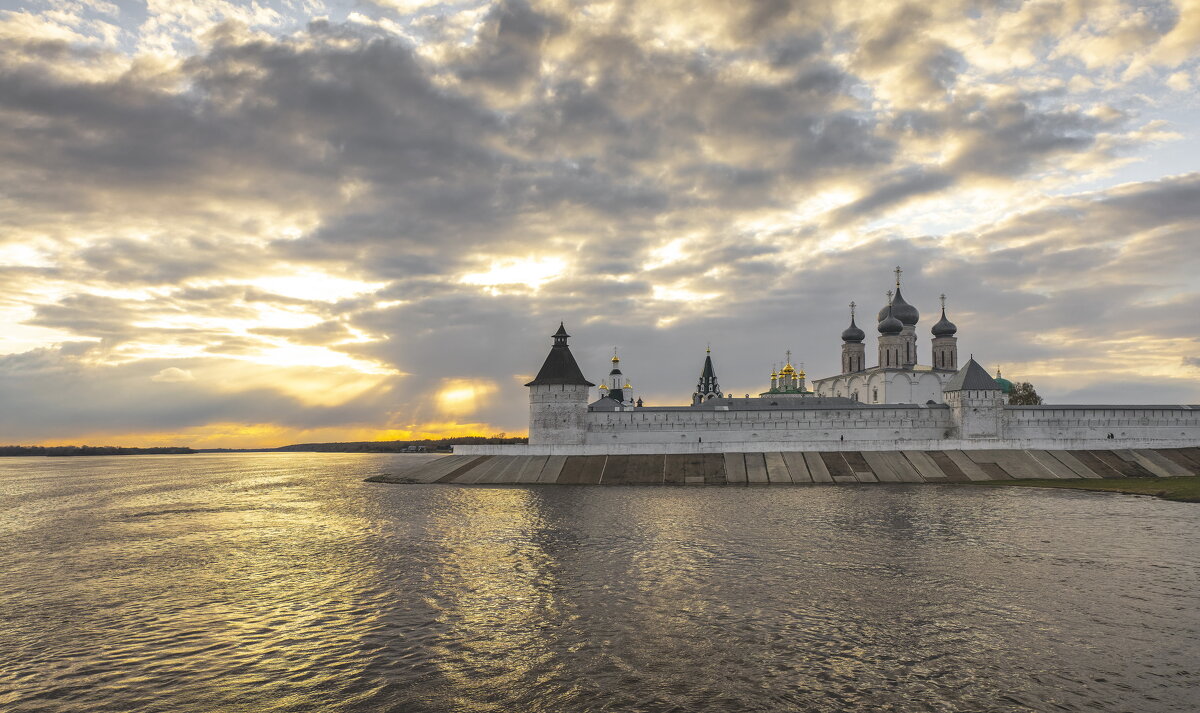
282,582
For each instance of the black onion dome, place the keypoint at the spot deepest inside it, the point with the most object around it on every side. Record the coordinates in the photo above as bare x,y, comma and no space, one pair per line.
889,325
901,310
853,334
944,327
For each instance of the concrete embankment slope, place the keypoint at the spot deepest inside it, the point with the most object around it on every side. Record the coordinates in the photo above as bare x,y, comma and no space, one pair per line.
803,467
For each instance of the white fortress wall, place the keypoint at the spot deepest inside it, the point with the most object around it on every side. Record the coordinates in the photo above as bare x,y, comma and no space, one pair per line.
682,430
668,426
1090,422
940,444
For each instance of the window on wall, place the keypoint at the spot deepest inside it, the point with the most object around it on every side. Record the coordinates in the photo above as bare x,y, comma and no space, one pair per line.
875,396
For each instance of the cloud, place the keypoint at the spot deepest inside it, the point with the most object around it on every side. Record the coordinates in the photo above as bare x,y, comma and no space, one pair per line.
173,374
333,221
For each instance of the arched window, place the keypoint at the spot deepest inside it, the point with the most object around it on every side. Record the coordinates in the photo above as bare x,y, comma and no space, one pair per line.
876,395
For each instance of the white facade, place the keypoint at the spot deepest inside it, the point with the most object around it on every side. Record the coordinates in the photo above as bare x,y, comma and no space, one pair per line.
887,386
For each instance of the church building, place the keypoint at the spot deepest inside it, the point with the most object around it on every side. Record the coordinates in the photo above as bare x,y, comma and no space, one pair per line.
897,377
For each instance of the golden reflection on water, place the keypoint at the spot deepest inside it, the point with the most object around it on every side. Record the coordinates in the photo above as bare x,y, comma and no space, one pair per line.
493,586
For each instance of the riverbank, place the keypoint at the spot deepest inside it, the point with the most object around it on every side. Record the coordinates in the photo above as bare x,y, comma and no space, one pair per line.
1184,490
937,466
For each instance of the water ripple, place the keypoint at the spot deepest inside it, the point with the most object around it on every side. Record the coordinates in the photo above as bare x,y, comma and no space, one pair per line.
281,582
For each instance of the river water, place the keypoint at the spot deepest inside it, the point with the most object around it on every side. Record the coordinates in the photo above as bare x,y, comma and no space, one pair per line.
282,582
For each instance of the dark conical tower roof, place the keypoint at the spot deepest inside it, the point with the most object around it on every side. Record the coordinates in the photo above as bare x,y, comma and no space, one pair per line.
560,367
708,378
971,377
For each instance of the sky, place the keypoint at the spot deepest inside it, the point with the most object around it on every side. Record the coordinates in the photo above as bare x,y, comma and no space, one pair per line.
232,224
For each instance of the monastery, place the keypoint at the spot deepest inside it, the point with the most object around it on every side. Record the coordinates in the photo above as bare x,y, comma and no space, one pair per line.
897,403
898,421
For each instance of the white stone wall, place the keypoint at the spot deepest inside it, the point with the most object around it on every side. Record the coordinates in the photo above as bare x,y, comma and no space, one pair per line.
650,426
971,417
558,414
1125,423
794,446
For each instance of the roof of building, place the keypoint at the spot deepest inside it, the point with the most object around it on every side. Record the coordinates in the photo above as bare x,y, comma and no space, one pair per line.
605,403
971,377
768,403
888,324
783,404
944,327
901,310
560,367
853,333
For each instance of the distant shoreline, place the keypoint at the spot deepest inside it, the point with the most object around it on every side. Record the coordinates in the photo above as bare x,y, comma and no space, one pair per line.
427,446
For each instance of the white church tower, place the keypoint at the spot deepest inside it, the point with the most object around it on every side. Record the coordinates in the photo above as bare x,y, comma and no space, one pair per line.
908,317
854,352
891,338
558,398
945,344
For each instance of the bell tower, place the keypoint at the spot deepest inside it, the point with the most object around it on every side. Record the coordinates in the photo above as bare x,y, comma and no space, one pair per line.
853,350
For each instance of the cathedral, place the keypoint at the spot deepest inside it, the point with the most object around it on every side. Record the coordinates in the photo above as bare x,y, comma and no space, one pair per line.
896,378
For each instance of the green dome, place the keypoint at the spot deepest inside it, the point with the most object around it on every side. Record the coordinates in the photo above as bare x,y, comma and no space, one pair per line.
1005,385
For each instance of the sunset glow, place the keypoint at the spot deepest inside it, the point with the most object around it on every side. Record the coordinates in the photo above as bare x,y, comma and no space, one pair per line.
237,224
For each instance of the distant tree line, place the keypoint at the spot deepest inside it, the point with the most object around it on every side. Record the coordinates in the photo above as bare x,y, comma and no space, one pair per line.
432,444
87,450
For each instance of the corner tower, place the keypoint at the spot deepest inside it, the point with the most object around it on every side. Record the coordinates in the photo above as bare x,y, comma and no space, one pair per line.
976,402
558,398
